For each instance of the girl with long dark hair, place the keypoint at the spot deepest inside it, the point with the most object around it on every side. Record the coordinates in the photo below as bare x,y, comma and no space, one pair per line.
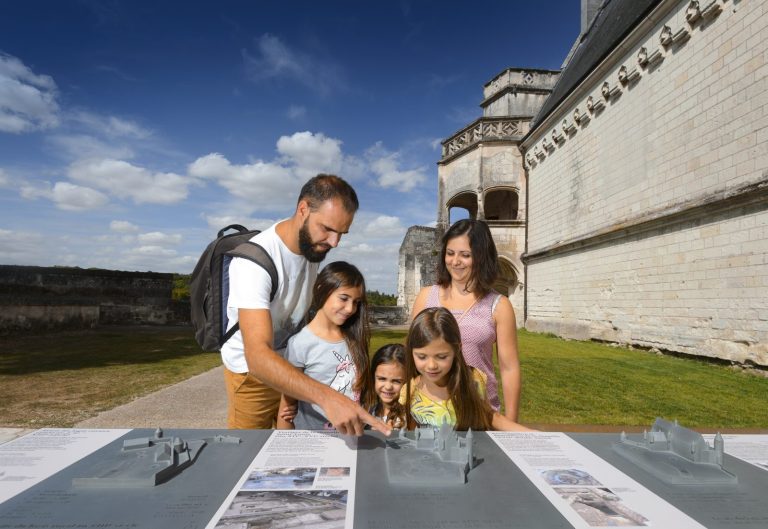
382,397
333,346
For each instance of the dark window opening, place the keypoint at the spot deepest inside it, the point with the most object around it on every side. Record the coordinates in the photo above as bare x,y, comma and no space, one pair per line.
501,204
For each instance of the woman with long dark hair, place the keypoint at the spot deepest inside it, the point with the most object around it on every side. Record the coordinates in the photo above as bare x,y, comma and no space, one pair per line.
466,272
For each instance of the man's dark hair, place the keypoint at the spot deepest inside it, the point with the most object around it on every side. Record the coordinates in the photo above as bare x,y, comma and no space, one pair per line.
325,187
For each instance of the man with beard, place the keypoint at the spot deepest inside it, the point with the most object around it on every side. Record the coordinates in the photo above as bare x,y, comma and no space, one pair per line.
255,372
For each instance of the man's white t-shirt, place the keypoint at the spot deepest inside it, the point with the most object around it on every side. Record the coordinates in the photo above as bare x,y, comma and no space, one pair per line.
250,286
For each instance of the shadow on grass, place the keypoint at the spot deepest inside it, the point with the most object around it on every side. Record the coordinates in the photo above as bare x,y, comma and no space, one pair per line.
105,346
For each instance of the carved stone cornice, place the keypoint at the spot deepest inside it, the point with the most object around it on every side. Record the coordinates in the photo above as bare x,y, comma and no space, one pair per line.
525,80
668,39
485,130
751,195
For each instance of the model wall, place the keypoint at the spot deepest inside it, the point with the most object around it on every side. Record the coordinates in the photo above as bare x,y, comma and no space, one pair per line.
648,221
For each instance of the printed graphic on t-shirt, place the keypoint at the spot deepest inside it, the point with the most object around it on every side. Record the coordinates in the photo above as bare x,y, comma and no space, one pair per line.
345,374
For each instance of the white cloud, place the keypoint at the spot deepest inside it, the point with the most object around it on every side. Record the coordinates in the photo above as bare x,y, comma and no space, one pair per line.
377,261
362,248
127,181
275,60
123,226
20,247
31,192
155,250
5,180
66,196
266,185
150,258
117,72
385,165
296,112
219,222
112,126
311,153
157,238
107,251
27,100
81,146
385,226
274,185
72,197
373,245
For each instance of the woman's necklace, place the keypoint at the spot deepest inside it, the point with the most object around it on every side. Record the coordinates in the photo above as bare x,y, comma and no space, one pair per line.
453,295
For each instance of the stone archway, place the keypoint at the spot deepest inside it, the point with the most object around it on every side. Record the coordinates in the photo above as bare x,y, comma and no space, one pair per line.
466,201
507,282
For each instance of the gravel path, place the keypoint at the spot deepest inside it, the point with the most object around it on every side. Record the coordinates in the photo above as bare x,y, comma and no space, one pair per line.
199,402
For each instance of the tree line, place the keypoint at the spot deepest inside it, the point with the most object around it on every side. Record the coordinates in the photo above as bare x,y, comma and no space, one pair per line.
181,292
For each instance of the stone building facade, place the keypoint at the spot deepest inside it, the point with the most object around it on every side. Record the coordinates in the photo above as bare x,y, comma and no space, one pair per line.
645,182
481,172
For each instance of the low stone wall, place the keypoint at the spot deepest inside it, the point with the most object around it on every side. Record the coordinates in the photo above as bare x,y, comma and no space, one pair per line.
380,315
46,298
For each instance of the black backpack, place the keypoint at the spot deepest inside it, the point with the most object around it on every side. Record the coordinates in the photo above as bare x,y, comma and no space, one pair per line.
209,285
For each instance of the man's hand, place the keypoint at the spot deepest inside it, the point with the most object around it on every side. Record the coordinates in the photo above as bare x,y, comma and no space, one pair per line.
348,417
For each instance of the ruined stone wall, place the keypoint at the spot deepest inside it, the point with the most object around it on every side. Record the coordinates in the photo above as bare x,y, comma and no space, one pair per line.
418,257
33,298
385,316
648,216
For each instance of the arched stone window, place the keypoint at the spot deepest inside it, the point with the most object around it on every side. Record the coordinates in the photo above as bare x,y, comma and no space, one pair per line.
500,204
467,202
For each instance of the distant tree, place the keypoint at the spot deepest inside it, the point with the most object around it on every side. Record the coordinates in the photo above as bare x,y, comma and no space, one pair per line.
181,286
379,298
181,292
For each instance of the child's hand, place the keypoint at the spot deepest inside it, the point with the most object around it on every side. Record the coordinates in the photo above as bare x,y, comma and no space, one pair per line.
288,412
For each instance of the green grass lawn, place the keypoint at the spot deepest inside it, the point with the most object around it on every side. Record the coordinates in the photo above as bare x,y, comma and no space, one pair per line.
57,380
573,382
61,379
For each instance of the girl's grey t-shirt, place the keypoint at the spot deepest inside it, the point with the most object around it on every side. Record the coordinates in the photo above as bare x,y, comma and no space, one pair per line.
326,362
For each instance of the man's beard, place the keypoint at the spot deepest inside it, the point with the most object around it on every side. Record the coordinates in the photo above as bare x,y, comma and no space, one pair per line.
306,246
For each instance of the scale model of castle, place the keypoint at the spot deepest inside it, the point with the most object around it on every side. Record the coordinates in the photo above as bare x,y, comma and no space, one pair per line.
430,456
677,455
148,461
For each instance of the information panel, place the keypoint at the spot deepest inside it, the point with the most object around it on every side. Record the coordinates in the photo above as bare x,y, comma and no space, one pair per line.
301,478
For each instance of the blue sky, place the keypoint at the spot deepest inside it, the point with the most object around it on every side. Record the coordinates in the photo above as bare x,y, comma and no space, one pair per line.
131,131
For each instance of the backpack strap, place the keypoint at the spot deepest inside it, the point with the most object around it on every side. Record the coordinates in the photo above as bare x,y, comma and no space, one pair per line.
257,254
